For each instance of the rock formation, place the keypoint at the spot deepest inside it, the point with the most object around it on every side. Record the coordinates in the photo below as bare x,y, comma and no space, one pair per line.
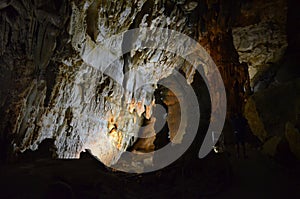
53,80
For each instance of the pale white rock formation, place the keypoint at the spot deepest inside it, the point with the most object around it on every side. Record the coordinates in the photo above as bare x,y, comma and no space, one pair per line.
89,108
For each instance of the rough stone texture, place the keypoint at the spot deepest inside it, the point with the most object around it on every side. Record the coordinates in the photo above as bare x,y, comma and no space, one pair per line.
174,117
270,147
55,88
254,120
29,45
293,137
270,110
260,35
216,37
50,55
260,46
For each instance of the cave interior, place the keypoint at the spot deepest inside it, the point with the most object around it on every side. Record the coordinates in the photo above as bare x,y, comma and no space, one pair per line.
69,120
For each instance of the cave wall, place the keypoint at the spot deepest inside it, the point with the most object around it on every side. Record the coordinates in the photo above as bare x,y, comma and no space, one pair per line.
29,46
51,90
273,109
260,36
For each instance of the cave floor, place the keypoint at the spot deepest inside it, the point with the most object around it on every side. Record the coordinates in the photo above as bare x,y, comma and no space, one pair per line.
218,176
259,176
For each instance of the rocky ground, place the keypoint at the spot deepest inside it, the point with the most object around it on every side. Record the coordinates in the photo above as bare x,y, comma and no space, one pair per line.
216,176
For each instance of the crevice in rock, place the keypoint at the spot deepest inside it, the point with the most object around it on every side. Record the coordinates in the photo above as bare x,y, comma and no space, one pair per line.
50,77
92,19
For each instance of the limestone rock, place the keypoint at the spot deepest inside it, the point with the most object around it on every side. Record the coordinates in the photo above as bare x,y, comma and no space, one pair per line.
260,35
271,113
53,54
292,135
270,146
57,51
254,120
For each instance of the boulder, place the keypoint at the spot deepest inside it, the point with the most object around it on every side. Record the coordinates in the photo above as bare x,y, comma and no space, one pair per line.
292,135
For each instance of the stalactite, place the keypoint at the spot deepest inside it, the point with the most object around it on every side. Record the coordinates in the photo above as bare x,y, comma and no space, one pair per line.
75,103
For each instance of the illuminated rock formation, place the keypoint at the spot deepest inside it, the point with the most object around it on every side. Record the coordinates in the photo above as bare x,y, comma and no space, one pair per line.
58,85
